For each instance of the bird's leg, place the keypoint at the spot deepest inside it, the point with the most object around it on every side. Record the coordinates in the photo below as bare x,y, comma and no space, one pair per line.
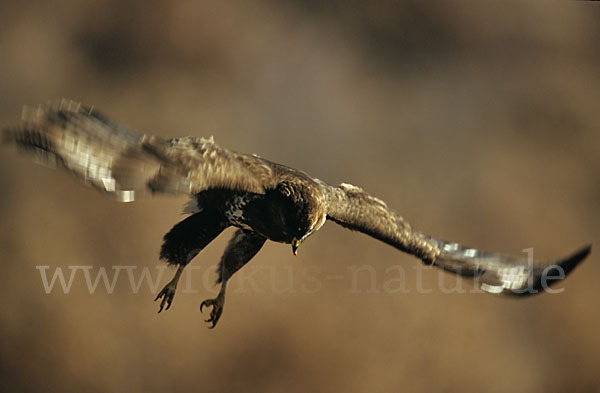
241,248
184,241
168,292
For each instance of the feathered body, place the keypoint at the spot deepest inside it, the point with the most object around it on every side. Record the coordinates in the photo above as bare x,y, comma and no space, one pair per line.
263,199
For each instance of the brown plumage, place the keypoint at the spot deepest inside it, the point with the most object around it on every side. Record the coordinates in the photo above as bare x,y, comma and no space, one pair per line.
263,199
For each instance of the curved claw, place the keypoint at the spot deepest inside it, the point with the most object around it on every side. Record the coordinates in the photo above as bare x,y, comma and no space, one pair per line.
215,314
213,321
167,294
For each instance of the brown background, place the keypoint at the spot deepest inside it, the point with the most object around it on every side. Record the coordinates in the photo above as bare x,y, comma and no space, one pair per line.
479,122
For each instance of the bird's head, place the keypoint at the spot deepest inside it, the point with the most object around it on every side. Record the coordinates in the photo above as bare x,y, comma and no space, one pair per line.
308,225
305,215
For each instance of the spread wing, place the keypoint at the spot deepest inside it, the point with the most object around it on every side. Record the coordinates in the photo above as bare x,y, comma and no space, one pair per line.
126,164
495,273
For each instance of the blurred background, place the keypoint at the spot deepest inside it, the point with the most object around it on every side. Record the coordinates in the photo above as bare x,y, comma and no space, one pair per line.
477,121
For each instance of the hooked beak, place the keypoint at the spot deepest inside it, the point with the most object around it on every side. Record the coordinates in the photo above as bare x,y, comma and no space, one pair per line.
295,245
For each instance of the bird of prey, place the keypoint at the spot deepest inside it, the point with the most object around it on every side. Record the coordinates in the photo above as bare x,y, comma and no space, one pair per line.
262,199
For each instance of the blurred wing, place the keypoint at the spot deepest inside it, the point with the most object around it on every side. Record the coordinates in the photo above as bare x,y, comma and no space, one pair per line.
494,273
505,274
125,164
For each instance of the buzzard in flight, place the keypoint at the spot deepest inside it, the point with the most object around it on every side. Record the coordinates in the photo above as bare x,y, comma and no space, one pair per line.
262,199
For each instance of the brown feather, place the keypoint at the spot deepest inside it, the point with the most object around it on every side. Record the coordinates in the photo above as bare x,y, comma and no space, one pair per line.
126,164
492,272
353,208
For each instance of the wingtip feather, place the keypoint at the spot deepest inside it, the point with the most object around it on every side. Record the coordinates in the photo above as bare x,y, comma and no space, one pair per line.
566,265
8,135
570,262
